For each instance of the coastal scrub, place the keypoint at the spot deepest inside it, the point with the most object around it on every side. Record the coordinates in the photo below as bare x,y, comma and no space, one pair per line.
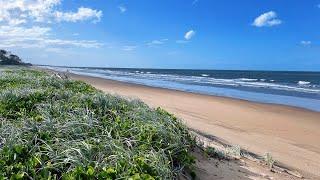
53,128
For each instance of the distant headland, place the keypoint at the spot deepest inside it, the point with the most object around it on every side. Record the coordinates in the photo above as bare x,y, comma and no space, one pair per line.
7,58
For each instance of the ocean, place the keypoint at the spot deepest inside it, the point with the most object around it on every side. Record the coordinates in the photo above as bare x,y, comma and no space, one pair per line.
298,89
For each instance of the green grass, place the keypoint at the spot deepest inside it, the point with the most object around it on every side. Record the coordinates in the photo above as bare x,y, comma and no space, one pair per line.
52,128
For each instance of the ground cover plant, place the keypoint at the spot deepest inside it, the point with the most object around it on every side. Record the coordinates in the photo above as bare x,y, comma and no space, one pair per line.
53,128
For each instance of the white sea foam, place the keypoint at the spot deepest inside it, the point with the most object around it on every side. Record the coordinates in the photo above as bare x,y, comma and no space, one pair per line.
303,82
247,79
301,86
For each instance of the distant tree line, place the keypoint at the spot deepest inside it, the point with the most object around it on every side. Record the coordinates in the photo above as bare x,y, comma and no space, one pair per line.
6,58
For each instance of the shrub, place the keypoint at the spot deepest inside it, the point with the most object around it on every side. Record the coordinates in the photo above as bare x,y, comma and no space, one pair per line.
269,160
53,128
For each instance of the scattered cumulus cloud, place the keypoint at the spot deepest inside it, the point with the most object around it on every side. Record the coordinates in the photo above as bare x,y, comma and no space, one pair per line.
27,24
81,15
15,12
305,43
122,9
189,34
267,19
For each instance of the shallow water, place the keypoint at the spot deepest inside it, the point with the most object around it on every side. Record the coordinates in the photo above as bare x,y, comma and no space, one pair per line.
299,89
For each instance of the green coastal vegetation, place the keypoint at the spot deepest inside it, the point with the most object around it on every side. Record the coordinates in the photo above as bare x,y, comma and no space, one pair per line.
57,128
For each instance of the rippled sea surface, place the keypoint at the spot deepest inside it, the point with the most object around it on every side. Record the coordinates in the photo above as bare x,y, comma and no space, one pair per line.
300,89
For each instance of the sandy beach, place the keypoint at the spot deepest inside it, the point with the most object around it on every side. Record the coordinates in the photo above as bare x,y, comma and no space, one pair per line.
290,134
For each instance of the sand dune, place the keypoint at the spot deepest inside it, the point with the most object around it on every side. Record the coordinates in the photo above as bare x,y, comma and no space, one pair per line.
290,134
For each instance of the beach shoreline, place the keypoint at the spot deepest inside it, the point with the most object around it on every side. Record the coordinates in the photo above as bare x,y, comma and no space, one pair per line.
262,87
288,133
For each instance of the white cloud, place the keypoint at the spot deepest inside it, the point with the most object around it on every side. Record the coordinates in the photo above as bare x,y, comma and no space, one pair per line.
157,42
306,43
189,34
20,11
81,15
267,19
21,32
26,24
38,37
122,9
24,10
129,48
76,43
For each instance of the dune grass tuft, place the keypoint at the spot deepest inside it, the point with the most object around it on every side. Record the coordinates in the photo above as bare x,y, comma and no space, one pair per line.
52,128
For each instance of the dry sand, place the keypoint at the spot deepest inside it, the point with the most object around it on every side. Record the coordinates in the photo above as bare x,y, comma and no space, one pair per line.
291,135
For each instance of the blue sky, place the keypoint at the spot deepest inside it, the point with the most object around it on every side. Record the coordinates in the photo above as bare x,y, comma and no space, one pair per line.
196,34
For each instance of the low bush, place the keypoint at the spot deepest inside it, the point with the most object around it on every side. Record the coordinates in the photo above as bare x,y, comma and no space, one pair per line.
52,128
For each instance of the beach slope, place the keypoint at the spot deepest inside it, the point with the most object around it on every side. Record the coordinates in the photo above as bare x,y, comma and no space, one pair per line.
290,134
